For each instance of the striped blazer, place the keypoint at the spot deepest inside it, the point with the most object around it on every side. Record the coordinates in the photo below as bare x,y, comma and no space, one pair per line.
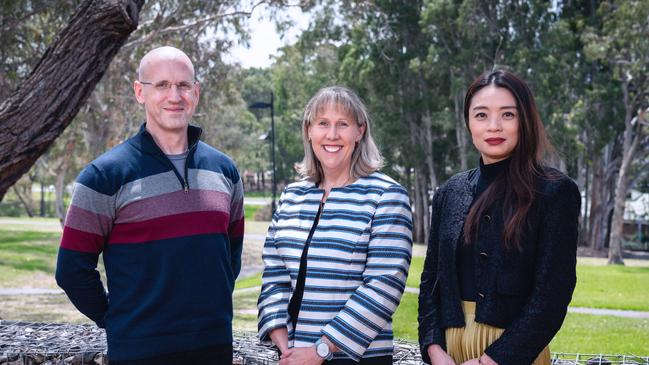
358,262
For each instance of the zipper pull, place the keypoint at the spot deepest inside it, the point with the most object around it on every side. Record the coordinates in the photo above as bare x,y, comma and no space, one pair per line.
186,186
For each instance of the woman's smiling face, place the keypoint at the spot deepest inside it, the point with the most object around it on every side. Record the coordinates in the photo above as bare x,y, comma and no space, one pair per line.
333,136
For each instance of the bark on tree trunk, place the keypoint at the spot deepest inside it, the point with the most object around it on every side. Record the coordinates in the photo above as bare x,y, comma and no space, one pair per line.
460,131
596,206
615,248
25,201
602,198
47,101
632,136
418,234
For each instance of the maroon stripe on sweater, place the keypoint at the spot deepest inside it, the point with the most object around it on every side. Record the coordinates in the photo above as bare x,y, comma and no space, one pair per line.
170,226
76,240
88,221
236,228
178,202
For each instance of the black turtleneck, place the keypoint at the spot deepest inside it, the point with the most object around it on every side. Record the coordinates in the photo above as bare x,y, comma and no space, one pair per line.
465,252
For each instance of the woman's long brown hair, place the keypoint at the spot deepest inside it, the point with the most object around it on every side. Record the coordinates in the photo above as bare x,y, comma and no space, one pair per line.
518,184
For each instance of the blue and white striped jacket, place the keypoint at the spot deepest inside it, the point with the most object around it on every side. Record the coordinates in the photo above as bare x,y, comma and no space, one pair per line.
358,262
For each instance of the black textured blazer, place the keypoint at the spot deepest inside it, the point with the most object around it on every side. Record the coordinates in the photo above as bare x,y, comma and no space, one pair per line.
525,292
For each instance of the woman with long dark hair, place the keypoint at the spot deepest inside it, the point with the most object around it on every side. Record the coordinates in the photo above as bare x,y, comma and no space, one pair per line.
500,266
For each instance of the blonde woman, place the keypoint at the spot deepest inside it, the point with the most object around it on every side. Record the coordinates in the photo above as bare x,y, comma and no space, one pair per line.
338,249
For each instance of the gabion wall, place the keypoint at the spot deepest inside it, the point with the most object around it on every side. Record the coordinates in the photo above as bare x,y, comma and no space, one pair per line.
28,343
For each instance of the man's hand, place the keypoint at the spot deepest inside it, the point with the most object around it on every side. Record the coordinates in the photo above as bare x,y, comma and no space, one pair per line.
438,356
301,356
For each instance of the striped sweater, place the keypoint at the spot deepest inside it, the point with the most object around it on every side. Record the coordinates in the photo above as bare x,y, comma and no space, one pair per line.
358,262
171,244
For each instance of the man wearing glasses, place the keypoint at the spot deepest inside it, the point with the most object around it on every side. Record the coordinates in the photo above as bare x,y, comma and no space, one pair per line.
166,211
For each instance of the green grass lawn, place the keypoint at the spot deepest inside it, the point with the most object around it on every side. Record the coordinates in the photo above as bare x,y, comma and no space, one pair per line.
249,282
250,210
613,287
28,250
581,333
592,334
598,286
26,257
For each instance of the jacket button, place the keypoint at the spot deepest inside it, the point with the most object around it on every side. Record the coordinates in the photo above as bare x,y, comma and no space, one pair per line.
481,295
487,218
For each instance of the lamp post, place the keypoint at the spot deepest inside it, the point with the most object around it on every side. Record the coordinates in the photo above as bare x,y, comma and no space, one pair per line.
264,105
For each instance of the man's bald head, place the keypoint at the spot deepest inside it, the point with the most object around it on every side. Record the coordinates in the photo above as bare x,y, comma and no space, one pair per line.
162,54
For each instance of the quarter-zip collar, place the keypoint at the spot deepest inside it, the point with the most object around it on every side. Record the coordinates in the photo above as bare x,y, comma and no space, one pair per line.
144,142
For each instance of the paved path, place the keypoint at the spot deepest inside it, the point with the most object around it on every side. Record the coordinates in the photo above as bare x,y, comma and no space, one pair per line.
29,291
583,310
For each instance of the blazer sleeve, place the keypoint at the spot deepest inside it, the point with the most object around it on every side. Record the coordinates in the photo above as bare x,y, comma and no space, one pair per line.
554,281
369,309
275,285
430,330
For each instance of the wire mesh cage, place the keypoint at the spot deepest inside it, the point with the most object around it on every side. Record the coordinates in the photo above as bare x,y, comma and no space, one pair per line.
561,358
31,343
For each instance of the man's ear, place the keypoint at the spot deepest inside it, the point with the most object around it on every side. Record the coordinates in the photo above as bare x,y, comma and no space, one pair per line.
137,89
197,90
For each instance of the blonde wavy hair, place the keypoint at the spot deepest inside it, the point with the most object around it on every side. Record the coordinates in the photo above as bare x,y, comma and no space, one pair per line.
366,157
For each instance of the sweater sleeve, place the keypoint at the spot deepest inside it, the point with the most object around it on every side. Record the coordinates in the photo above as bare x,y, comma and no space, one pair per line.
371,306
554,281
236,226
87,226
275,285
430,331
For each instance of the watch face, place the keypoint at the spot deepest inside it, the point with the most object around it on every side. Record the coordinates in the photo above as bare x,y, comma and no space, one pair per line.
322,349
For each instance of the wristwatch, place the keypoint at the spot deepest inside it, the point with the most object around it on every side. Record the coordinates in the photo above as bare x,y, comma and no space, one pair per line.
322,349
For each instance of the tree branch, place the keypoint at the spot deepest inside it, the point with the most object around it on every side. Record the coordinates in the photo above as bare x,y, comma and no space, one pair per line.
197,22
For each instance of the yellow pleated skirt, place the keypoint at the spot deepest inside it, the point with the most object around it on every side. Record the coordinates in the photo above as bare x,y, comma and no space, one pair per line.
469,342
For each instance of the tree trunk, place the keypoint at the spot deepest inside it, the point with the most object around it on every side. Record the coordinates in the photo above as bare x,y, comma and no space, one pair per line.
26,200
418,219
582,180
460,131
596,205
42,205
617,223
632,136
61,82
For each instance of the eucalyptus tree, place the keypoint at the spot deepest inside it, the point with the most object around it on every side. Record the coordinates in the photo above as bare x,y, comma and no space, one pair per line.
622,45
76,57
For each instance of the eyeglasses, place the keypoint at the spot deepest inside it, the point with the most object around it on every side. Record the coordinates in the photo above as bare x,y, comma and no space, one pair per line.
163,86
